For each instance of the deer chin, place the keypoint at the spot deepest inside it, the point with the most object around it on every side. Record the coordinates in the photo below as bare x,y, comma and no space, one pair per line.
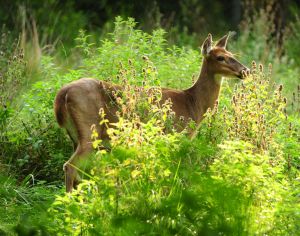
240,76
235,76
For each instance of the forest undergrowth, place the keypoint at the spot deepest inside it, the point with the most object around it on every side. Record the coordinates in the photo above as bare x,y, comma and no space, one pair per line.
238,176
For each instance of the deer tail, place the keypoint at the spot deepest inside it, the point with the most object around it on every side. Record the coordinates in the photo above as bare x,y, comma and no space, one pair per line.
60,106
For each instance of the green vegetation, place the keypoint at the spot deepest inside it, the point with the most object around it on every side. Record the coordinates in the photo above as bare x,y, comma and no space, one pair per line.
238,176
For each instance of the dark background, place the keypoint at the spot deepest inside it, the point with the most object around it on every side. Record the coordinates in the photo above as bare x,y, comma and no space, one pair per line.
63,18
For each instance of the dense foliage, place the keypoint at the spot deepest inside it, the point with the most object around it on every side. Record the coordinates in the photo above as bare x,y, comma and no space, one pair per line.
238,176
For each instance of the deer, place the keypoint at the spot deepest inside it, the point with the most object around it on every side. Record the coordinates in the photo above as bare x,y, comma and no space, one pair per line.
77,104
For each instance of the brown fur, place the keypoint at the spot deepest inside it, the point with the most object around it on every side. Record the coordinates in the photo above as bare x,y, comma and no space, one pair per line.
77,104
59,107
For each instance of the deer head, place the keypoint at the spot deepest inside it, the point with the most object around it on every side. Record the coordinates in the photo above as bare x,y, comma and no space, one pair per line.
220,61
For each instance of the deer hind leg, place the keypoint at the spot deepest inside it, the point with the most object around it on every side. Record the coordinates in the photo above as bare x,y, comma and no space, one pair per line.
72,166
82,104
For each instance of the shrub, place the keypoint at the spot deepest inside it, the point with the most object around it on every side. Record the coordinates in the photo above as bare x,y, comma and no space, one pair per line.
238,176
12,73
233,178
139,162
35,143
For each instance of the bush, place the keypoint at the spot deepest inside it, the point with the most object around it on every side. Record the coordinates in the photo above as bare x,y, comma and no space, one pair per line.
238,176
233,178
35,143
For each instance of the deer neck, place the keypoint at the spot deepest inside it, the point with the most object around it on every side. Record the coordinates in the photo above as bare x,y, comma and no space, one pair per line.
205,92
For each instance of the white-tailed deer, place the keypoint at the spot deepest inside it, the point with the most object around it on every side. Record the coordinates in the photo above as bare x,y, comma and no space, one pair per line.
77,104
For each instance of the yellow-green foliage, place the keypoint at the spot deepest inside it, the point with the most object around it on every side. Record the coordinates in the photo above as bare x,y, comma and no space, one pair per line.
137,174
154,181
238,176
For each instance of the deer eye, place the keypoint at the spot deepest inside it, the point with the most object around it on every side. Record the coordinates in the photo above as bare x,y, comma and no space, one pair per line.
220,58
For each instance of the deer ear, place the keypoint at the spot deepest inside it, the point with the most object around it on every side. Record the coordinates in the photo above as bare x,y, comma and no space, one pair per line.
207,45
223,41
